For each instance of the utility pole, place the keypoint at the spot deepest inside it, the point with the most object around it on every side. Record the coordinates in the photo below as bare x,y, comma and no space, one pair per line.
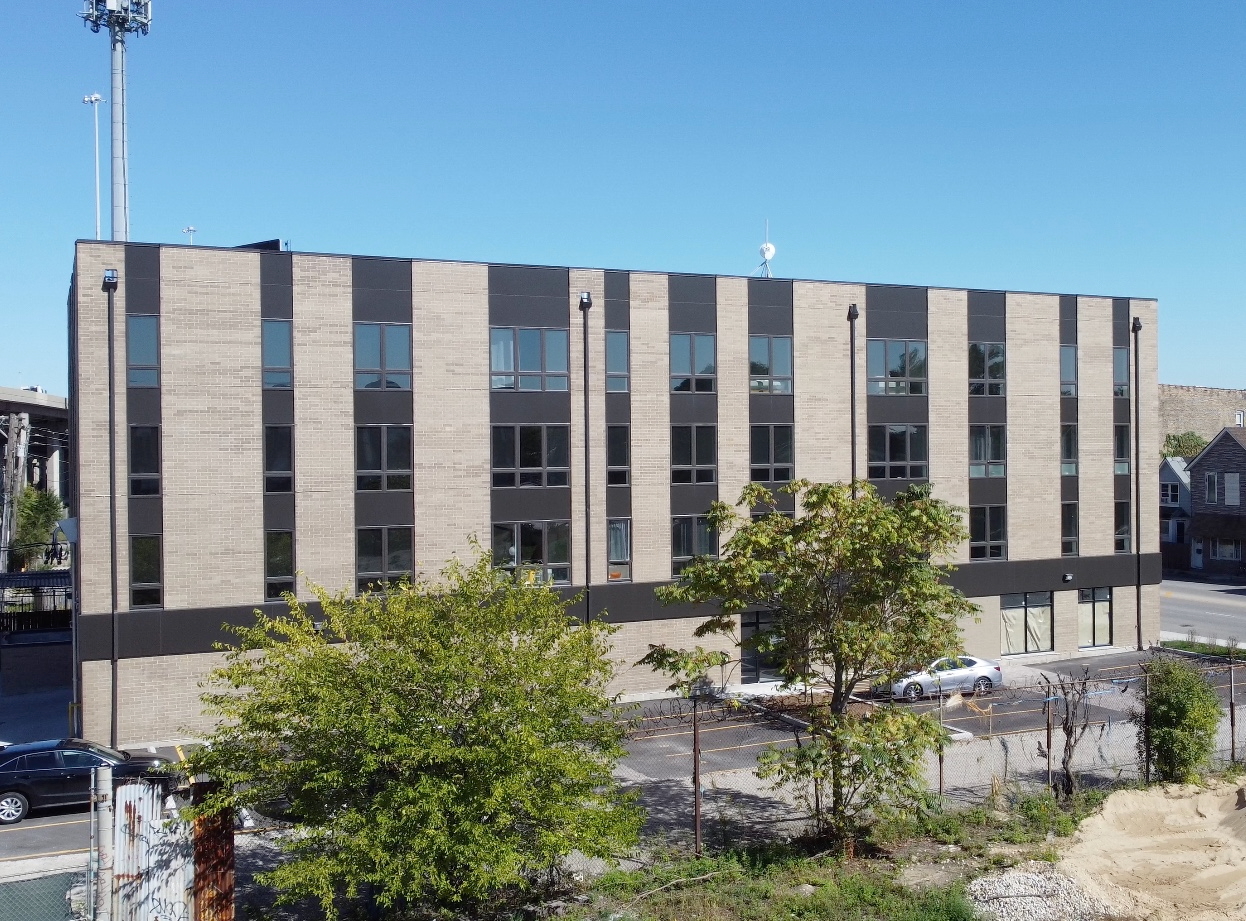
14,481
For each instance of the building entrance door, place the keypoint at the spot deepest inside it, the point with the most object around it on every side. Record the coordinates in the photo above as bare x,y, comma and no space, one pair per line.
1196,553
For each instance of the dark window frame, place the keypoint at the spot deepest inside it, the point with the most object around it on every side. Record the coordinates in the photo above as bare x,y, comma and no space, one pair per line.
1120,372
552,376
695,469
378,580
1068,449
618,565
383,376
277,480
1095,597
770,468
988,384
145,482
1120,449
277,376
618,474
767,377
619,381
147,593
1211,483
988,532
1068,365
277,584
141,374
1169,493
1123,531
695,379
881,379
1070,537
881,464
701,539
523,475
547,569
1215,549
389,476
991,441
1028,601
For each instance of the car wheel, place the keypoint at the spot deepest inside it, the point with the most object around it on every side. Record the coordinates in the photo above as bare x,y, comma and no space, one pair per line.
983,685
912,691
13,808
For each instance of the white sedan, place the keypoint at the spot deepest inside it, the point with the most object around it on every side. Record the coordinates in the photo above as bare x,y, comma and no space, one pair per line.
963,674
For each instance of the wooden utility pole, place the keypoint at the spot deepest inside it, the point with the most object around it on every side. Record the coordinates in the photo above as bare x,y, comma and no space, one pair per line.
13,481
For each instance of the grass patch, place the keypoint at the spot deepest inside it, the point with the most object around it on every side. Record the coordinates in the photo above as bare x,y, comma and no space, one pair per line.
1202,649
752,886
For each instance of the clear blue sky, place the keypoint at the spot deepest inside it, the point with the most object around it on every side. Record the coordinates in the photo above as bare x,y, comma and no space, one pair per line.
1074,147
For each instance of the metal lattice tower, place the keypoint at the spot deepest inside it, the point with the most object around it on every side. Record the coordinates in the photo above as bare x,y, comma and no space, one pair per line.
119,17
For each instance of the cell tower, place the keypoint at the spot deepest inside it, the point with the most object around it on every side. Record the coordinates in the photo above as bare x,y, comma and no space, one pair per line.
767,253
119,17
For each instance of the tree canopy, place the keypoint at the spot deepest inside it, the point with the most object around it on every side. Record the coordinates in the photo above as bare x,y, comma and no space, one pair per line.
1187,444
444,741
37,514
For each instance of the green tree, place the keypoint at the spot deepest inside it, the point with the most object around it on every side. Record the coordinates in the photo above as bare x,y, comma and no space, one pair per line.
1187,444
37,514
1179,716
447,742
854,590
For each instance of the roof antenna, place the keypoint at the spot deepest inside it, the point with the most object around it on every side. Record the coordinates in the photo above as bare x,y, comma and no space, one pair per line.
767,253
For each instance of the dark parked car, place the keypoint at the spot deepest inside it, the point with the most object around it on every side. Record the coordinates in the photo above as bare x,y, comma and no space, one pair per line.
58,773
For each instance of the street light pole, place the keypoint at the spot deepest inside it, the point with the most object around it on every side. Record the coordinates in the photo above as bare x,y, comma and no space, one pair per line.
110,286
586,304
853,314
94,101
1136,329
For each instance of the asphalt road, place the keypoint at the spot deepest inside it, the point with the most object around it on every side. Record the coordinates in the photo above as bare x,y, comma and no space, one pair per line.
1208,608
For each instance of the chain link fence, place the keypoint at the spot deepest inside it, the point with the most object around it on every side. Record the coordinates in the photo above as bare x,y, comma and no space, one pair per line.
60,897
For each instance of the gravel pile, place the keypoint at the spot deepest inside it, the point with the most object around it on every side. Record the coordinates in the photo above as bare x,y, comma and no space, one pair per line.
1034,892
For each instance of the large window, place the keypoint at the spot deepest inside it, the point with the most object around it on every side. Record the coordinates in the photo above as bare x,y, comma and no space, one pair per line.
1212,494
1232,489
540,547
694,453
897,452
770,364
895,367
770,453
1068,449
277,353
1227,550
1027,623
1068,370
618,550
1120,449
987,450
1169,493
1120,372
694,364
528,359
1123,528
278,458
382,356
755,664
618,455
145,571
144,460
988,532
1068,529
383,555
142,346
383,457
986,369
278,563
1094,617
618,361
691,537
531,455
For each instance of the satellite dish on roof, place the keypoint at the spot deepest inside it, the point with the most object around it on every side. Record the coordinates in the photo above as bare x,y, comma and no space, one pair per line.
767,253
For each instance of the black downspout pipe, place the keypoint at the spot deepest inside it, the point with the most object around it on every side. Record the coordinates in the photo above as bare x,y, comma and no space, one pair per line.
110,285
586,303
852,387
1136,328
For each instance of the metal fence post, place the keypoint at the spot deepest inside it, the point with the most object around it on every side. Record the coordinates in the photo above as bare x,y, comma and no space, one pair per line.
1146,728
940,772
696,776
1232,712
103,807
1047,706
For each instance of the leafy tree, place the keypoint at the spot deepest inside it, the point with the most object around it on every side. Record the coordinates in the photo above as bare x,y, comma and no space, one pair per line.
854,591
444,742
1179,717
37,514
1187,444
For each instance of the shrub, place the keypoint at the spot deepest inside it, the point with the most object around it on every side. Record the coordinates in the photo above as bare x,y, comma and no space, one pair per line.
1180,714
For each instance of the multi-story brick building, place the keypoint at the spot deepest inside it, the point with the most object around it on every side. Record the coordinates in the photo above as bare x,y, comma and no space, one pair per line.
355,418
1202,410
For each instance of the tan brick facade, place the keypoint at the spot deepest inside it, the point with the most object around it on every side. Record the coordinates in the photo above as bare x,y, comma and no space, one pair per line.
948,367
733,408
651,428
1094,427
159,698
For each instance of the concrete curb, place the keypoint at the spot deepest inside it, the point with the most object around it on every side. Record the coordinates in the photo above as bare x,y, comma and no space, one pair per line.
20,868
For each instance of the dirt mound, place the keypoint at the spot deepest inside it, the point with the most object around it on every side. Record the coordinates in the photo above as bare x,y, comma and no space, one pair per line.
1175,853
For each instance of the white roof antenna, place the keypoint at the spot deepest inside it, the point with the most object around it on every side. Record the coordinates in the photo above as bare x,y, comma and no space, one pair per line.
767,253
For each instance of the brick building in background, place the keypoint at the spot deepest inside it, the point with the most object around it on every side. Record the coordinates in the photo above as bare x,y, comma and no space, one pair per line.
1203,410
353,418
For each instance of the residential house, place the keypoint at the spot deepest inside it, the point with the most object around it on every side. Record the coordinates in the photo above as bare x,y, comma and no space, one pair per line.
1174,512
1218,519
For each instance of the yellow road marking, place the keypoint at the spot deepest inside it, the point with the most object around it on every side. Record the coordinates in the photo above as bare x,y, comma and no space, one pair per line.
48,825
80,850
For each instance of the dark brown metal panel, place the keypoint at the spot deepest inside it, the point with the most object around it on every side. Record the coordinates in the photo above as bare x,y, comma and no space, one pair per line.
692,499
771,408
142,405
619,502
383,509
551,503
691,408
383,407
278,407
986,410
548,408
898,409
618,408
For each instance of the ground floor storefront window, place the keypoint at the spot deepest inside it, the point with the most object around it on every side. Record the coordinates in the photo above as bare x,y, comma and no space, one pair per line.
1027,623
1094,617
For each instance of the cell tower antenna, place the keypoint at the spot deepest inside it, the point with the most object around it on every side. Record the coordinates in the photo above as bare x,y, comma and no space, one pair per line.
767,253
119,17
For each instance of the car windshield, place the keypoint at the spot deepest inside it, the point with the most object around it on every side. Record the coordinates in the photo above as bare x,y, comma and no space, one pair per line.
105,752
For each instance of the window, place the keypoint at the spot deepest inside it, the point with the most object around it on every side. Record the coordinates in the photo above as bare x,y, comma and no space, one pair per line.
531,455
144,460
382,457
145,569
540,547
1232,489
528,359
142,346
1027,622
278,458
986,369
1094,617
1068,529
770,364
618,361
1120,449
619,550
1120,372
1212,488
277,353
1239,418
691,537
895,367
1227,550
278,563
382,356
383,555
694,453
73,758
1068,449
897,452
1123,529
618,455
770,453
987,533
756,664
987,450
1169,494
693,363
1068,370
